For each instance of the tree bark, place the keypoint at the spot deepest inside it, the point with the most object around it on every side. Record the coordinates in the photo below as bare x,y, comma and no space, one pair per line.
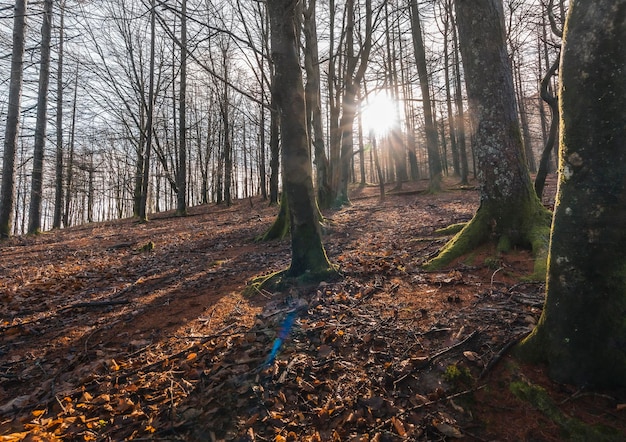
36,190
181,182
581,334
314,111
145,177
434,159
13,119
307,252
356,65
58,175
544,162
510,212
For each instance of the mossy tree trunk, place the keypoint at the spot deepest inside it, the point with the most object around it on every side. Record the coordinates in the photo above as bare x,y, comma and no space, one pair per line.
510,212
307,251
582,331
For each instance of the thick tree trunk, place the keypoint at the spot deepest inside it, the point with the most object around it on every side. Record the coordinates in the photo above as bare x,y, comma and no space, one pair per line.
36,190
582,332
13,118
307,252
510,212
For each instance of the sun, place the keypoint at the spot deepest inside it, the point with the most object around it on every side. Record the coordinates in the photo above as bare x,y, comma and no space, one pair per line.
379,113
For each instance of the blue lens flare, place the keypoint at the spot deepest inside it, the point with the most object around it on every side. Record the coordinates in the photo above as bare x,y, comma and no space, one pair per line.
283,334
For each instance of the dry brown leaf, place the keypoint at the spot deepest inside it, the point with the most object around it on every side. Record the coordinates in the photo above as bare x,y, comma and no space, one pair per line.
398,425
447,429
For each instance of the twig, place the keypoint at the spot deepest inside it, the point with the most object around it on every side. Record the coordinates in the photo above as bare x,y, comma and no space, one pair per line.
429,403
95,304
492,363
452,347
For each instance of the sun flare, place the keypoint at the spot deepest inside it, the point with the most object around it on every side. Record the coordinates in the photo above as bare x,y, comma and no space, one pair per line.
379,113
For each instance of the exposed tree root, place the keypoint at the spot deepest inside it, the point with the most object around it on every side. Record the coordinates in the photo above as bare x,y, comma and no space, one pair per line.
528,228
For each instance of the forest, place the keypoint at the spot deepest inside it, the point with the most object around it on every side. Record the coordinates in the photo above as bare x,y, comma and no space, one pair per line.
313,220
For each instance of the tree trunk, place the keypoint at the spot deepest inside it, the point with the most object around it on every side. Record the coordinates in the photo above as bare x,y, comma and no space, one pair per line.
36,190
58,175
70,158
356,64
145,178
509,212
458,100
314,111
447,12
181,182
434,159
228,148
13,119
582,332
274,152
544,162
307,252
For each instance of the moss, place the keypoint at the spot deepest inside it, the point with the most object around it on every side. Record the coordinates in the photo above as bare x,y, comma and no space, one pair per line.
281,225
525,224
469,237
458,376
493,262
146,248
504,244
452,229
281,280
273,281
573,429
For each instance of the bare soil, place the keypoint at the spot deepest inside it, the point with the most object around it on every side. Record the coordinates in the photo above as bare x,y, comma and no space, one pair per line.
128,331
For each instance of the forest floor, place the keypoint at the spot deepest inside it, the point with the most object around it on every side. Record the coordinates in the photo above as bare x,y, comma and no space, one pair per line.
126,331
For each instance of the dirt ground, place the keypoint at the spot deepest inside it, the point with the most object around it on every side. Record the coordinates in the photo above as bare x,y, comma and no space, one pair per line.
126,331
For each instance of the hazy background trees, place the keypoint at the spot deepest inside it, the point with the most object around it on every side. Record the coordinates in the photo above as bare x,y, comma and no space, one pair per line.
214,133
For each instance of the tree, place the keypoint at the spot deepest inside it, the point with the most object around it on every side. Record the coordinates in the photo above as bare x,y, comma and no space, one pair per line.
36,191
13,118
434,160
145,176
581,334
355,67
58,175
509,211
181,182
314,110
307,252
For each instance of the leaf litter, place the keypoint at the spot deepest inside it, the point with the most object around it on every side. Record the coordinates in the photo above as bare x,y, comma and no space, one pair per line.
106,339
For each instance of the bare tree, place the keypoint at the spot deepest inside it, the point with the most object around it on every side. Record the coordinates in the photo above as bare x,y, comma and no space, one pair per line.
58,173
434,159
308,256
36,191
13,118
181,182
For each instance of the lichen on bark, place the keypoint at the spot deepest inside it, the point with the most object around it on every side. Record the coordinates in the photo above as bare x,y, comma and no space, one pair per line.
581,335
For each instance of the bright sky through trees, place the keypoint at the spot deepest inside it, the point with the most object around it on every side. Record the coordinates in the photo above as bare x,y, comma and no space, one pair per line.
379,113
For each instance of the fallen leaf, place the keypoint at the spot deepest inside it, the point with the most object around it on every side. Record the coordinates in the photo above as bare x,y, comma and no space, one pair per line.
398,425
447,430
